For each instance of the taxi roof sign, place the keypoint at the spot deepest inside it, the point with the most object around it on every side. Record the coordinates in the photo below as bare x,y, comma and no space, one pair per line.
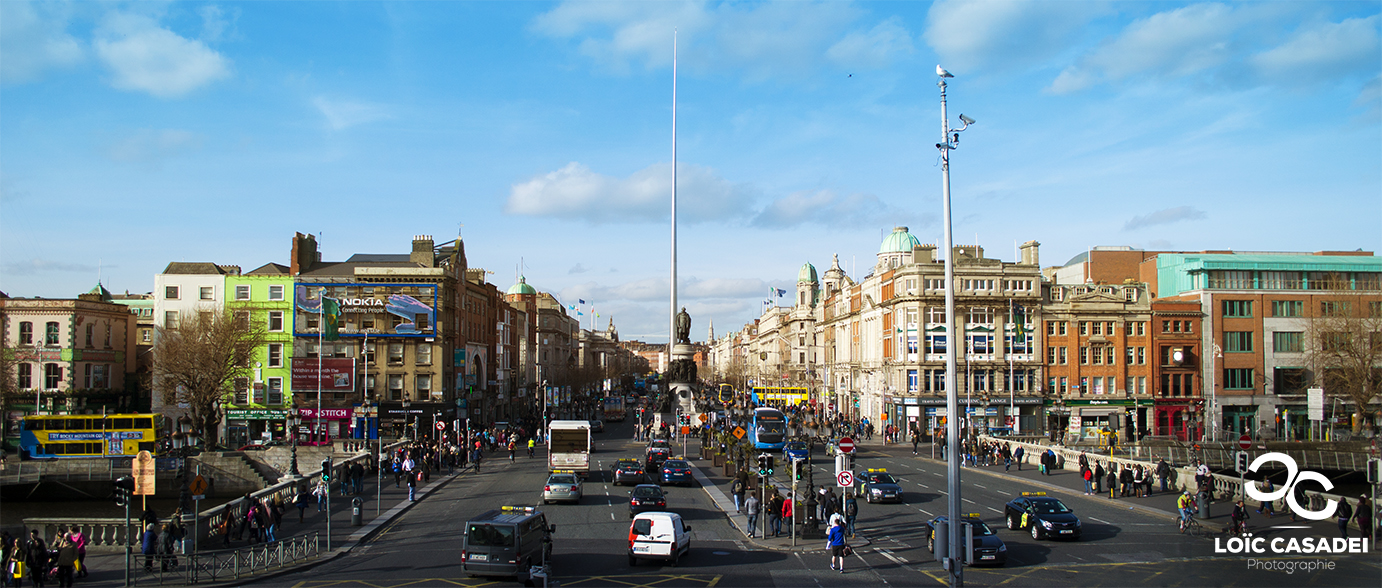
973,515
517,508
883,470
1034,494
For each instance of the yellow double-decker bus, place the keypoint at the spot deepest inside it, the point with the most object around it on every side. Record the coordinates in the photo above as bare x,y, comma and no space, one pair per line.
88,435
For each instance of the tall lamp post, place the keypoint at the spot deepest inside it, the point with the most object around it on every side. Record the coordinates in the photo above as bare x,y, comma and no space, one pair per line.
294,420
949,140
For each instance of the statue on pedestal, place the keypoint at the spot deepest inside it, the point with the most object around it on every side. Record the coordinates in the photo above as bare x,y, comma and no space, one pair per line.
683,334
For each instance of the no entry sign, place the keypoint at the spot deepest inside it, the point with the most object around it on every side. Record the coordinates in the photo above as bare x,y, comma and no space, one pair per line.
1245,442
846,445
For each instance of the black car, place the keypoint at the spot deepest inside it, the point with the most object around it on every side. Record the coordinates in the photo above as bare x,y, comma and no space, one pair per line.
1046,517
646,498
658,452
629,471
677,471
988,548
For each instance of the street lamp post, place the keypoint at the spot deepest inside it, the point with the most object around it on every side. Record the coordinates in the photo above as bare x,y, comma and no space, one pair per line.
949,140
294,421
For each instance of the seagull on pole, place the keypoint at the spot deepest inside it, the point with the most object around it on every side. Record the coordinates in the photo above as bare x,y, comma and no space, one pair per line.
940,71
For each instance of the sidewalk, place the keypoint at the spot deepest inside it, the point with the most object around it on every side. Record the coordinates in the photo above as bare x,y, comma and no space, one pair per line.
717,485
108,567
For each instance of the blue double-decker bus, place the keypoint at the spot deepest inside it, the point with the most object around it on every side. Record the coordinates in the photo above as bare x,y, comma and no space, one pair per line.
768,429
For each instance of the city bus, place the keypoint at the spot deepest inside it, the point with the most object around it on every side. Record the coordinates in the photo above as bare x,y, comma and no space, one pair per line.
88,435
768,430
779,395
726,394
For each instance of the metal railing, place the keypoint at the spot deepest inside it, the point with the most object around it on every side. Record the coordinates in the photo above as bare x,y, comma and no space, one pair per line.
223,564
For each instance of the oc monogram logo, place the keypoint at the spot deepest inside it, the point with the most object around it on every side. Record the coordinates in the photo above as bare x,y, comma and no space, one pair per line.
1293,477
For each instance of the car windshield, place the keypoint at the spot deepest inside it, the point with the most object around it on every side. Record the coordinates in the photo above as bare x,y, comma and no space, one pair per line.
881,479
629,464
981,529
796,445
658,443
490,536
676,463
561,480
1050,506
647,492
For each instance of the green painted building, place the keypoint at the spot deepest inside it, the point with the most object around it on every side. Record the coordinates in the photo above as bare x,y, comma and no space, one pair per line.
262,402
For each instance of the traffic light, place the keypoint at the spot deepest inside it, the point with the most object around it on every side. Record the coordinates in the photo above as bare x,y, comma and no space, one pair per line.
1240,461
799,468
326,470
1374,471
124,489
762,463
770,464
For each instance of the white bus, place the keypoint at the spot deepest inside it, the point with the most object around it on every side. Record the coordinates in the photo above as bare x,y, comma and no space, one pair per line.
569,446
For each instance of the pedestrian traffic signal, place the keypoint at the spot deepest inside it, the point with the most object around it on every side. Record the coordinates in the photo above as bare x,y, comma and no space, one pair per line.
799,468
326,470
1374,471
124,489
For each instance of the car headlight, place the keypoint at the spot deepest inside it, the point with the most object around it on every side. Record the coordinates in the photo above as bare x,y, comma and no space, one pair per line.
1003,547
877,491
1046,524
1077,523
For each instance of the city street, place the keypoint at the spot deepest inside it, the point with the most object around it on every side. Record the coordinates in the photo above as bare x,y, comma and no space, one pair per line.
1127,542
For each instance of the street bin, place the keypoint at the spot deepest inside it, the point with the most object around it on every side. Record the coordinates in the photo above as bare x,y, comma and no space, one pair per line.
356,518
1202,501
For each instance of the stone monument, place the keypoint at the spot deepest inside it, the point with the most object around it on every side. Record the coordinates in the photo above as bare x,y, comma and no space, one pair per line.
682,380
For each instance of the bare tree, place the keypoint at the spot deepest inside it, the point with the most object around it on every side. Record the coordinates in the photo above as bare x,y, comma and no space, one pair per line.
198,362
1343,346
9,380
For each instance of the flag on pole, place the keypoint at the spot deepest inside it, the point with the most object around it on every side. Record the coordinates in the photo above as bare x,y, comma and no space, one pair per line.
579,301
331,317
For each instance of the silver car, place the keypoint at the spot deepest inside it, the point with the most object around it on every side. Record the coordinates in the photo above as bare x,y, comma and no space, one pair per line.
562,486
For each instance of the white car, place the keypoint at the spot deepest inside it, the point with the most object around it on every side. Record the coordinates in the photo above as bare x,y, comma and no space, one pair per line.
658,535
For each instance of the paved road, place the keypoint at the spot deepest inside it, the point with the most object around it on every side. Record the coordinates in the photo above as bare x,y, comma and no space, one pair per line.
1122,546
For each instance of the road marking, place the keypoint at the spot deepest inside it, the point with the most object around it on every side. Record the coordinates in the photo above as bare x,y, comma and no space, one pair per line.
994,509
1100,521
923,485
611,517
927,513
889,555
980,486
968,500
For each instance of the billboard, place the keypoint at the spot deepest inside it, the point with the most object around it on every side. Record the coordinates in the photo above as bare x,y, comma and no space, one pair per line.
374,309
337,374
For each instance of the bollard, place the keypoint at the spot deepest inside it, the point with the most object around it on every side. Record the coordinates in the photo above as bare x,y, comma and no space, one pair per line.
356,519
1202,501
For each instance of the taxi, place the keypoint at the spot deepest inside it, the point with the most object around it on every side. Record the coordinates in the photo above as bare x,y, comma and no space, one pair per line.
1045,517
628,471
988,548
879,486
562,485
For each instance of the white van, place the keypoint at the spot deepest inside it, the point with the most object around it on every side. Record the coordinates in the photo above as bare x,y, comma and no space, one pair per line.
658,535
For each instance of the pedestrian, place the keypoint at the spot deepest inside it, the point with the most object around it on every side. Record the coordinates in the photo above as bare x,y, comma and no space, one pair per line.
413,478
851,512
166,542
820,504
835,542
1163,471
1088,475
1364,517
751,507
1137,480
1018,454
1345,513
301,501
66,560
252,521
79,541
788,511
320,491
1125,478
1266,507
736,489
916,439
148,546
1112,481
275,518
775,514
1301,499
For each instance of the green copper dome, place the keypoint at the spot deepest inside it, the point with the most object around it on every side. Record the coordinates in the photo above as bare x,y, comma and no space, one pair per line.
807,273
521,287
900,241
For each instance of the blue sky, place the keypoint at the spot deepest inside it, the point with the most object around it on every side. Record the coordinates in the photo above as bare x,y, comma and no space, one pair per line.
134,134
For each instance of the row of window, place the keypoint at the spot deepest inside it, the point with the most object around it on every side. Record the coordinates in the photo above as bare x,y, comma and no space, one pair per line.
980,380
936,284
1099,385
1058,293
95,376
1059,355
1296,308
1286,280
51,333
243,291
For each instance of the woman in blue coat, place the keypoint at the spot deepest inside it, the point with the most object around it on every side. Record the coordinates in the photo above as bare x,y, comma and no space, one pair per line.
149,547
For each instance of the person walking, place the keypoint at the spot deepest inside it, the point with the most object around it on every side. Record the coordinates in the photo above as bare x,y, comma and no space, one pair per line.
412,485
751,508
1364,517
1125,478
320,492
148,546
1112,481
1098,477
1163,471
1137,481
301,501
79,541
1345,513
166,542
736,489
775,514
1088,475
851,513
66,560
1018,455
788,511
835,542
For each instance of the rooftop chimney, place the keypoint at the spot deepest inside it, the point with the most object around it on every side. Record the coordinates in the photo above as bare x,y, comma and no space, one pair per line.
422,251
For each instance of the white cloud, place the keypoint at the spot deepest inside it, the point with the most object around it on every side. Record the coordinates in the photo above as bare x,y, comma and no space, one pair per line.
150,145
824,207
875,48
343,114
216,22
577,192
656,289
1180,42
33,38
42,266
146,57
760,40
992,34
1164,216
1325,51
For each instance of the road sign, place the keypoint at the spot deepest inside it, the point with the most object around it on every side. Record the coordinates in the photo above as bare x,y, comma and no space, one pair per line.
739,432
441,426
197,488
703,418
143,466
845,479
846,445
1245,442
686,430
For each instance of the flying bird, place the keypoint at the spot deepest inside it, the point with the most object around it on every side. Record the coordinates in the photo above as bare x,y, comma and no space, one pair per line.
940,71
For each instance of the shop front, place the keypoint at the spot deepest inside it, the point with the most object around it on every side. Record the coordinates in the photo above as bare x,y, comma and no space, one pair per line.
319,427
1238,419
1093,420
1010,416
1175,419
255,425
